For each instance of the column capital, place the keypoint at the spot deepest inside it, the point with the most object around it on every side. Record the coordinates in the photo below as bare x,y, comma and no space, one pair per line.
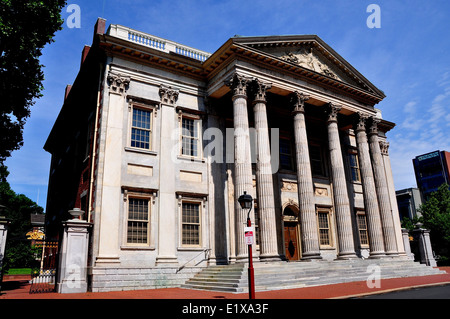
360,122
259,89
118,83
168,94
373,128
238,84
332,111
298,100
384,147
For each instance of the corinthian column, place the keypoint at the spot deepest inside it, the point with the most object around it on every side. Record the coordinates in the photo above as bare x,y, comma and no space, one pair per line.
387,222
264,185
369,191
307,208
242,159
341,200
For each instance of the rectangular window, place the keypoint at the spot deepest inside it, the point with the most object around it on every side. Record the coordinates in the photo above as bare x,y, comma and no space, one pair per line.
285,154
138,221
190,138
354,167
362,229
317,164
190,223
141,128
324,228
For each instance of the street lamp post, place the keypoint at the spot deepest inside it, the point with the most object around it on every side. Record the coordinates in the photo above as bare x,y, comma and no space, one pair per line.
246,202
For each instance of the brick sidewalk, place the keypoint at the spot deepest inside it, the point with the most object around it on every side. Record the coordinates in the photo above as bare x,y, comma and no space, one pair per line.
19,289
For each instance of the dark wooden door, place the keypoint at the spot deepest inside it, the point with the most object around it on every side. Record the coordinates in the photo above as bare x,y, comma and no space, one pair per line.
290,241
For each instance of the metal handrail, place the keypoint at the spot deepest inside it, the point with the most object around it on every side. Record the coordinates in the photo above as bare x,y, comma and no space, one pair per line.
206,258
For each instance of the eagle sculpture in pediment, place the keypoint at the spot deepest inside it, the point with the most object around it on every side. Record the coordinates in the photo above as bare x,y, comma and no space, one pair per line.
306,57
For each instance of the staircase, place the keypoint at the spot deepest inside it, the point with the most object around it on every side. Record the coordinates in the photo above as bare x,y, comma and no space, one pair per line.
286,275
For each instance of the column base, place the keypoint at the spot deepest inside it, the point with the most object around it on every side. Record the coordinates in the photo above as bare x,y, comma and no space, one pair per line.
311,257
346,256
377,255
268,258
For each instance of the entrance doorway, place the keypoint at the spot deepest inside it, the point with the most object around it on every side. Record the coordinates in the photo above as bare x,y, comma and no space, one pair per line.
291,242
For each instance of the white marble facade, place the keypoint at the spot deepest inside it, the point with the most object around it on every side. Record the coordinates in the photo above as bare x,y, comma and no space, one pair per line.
295,84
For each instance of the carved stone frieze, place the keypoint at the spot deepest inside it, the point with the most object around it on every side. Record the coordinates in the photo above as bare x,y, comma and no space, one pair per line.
288,186
320,191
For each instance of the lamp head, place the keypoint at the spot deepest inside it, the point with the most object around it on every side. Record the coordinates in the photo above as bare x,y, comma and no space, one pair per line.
245,201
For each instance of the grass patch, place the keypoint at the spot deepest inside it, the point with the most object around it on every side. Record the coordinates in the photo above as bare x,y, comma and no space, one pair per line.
18,271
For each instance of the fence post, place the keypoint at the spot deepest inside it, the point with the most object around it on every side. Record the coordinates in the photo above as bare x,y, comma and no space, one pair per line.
72,271
4,223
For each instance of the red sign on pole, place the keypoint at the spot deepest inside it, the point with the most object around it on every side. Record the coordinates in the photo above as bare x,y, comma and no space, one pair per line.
248,231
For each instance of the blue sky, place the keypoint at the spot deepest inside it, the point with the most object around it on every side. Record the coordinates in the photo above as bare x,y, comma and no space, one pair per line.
408,58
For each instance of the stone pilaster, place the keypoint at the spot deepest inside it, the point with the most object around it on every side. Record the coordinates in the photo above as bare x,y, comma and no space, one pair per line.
264,184
307,208
110,168
369,191
384,203
341,199
242,159
167,241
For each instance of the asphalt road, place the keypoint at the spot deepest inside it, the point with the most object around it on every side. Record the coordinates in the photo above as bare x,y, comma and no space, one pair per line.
435,292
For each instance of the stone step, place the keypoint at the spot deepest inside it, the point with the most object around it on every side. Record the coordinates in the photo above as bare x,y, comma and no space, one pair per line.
284,275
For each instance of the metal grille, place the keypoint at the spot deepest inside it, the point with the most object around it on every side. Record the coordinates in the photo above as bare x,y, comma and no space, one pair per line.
44,280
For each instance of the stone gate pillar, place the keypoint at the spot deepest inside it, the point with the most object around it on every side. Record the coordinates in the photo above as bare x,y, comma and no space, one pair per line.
73,257
4,223
425,249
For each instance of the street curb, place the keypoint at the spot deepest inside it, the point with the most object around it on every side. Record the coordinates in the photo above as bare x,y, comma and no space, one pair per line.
379,292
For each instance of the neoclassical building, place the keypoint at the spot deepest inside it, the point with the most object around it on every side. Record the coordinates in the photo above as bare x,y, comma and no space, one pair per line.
156,141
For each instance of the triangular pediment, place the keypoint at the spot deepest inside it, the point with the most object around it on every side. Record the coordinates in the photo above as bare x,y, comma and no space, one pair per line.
311,53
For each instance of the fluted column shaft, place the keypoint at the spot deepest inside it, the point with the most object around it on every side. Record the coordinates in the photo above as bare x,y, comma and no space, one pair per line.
307,209
341,199
264,184
242,159
387,222
369,191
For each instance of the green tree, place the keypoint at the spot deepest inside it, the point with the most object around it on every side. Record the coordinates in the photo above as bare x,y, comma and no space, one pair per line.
436,217
26,26
19,252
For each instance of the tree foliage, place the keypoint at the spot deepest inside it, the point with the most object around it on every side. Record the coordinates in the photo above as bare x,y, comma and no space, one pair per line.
19,208
436,217
26,26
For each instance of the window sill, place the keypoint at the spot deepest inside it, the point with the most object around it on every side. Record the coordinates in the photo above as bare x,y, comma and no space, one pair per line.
142,151
191,158
191,248
137,247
